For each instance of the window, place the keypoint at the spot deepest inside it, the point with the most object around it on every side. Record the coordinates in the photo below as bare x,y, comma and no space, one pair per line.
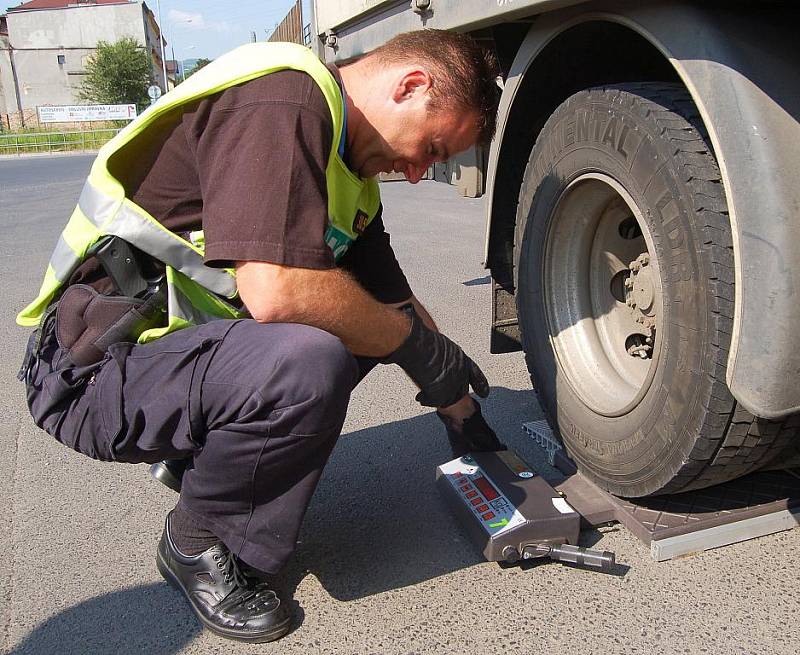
62,59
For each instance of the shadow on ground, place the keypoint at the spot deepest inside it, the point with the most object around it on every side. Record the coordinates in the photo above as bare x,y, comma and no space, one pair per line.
376,524
131,621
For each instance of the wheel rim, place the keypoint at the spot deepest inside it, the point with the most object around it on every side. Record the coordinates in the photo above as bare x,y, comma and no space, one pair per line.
602,293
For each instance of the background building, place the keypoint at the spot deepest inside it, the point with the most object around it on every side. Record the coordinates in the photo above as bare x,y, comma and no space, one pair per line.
44,45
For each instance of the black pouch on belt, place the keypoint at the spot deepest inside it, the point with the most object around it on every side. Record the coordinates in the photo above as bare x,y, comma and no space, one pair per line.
88,322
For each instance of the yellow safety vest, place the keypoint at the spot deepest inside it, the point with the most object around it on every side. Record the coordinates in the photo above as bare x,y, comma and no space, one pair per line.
197,293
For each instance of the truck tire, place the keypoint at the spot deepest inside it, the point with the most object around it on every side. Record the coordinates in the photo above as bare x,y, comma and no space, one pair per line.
624,280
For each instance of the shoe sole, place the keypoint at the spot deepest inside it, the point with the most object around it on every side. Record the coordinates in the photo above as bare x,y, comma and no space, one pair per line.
259,638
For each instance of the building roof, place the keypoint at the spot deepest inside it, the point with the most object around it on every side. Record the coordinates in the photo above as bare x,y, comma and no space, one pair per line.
63,4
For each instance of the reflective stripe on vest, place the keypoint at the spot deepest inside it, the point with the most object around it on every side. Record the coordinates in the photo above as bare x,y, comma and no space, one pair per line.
127,223
195,291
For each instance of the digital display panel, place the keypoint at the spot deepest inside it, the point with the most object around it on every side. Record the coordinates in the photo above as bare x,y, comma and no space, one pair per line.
486,488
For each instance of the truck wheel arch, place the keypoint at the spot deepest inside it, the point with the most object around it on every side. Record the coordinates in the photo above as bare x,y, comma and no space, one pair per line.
749,100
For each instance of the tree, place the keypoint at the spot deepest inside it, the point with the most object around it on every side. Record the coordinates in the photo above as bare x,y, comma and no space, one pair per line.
117,74
200,63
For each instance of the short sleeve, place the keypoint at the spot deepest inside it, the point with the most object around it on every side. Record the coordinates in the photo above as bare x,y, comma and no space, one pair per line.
262,151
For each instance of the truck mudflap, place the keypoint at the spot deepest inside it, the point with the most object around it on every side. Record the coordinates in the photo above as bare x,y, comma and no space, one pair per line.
749,99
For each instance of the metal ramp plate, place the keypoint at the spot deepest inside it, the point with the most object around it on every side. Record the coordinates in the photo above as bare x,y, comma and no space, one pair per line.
680,524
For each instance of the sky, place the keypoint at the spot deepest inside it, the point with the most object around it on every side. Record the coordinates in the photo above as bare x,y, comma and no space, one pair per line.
208,28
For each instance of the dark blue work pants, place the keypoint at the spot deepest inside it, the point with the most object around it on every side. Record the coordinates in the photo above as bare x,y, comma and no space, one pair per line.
260,408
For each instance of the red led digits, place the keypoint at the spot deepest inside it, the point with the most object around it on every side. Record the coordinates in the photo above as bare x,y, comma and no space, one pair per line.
486,488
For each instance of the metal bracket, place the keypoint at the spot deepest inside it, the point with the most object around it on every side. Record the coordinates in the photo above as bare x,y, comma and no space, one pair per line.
541,433
421,6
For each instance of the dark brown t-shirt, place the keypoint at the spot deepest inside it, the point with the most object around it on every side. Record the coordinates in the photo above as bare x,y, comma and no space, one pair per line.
247,166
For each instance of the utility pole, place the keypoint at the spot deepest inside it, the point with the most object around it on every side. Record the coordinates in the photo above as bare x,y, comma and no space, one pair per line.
161,42
178,65
16,83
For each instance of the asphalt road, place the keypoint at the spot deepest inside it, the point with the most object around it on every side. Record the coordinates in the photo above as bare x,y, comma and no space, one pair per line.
381,567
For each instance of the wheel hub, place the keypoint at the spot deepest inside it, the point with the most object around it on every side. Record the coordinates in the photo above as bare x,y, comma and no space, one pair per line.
603,294
640,295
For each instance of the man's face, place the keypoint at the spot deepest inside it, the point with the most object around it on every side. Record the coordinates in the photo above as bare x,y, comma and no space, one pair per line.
407,136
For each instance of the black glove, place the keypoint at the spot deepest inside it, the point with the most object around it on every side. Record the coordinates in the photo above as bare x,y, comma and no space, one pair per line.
473,435
438,366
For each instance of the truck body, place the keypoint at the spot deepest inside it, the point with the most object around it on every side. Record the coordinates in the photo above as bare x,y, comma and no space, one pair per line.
643,215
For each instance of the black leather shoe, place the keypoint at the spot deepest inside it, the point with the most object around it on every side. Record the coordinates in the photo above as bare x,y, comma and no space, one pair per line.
474,435
227,602
169,472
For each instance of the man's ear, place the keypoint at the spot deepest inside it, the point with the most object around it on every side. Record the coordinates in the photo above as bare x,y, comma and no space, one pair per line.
413,84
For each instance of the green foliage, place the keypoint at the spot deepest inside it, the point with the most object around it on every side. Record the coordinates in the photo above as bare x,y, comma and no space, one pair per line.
201,63
117,74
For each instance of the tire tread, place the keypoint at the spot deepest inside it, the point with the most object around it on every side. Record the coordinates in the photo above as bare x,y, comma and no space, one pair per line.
746,441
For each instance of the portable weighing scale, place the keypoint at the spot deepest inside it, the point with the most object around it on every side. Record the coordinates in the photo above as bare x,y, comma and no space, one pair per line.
512,513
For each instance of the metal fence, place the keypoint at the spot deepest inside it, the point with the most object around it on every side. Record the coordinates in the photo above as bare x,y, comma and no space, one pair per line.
23,143
291,27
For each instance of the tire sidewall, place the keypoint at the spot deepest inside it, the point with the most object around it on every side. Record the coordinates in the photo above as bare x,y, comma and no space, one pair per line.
641,450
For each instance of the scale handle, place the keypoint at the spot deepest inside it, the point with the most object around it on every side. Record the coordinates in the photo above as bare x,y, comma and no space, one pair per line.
603,560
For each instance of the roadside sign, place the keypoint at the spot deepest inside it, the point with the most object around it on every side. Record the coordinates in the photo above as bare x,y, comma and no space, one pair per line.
154,92
84,113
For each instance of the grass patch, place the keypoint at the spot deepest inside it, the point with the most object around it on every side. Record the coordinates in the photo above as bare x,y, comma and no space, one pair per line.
29,141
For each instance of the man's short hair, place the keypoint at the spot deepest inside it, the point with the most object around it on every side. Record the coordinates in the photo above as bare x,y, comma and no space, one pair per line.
464,73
